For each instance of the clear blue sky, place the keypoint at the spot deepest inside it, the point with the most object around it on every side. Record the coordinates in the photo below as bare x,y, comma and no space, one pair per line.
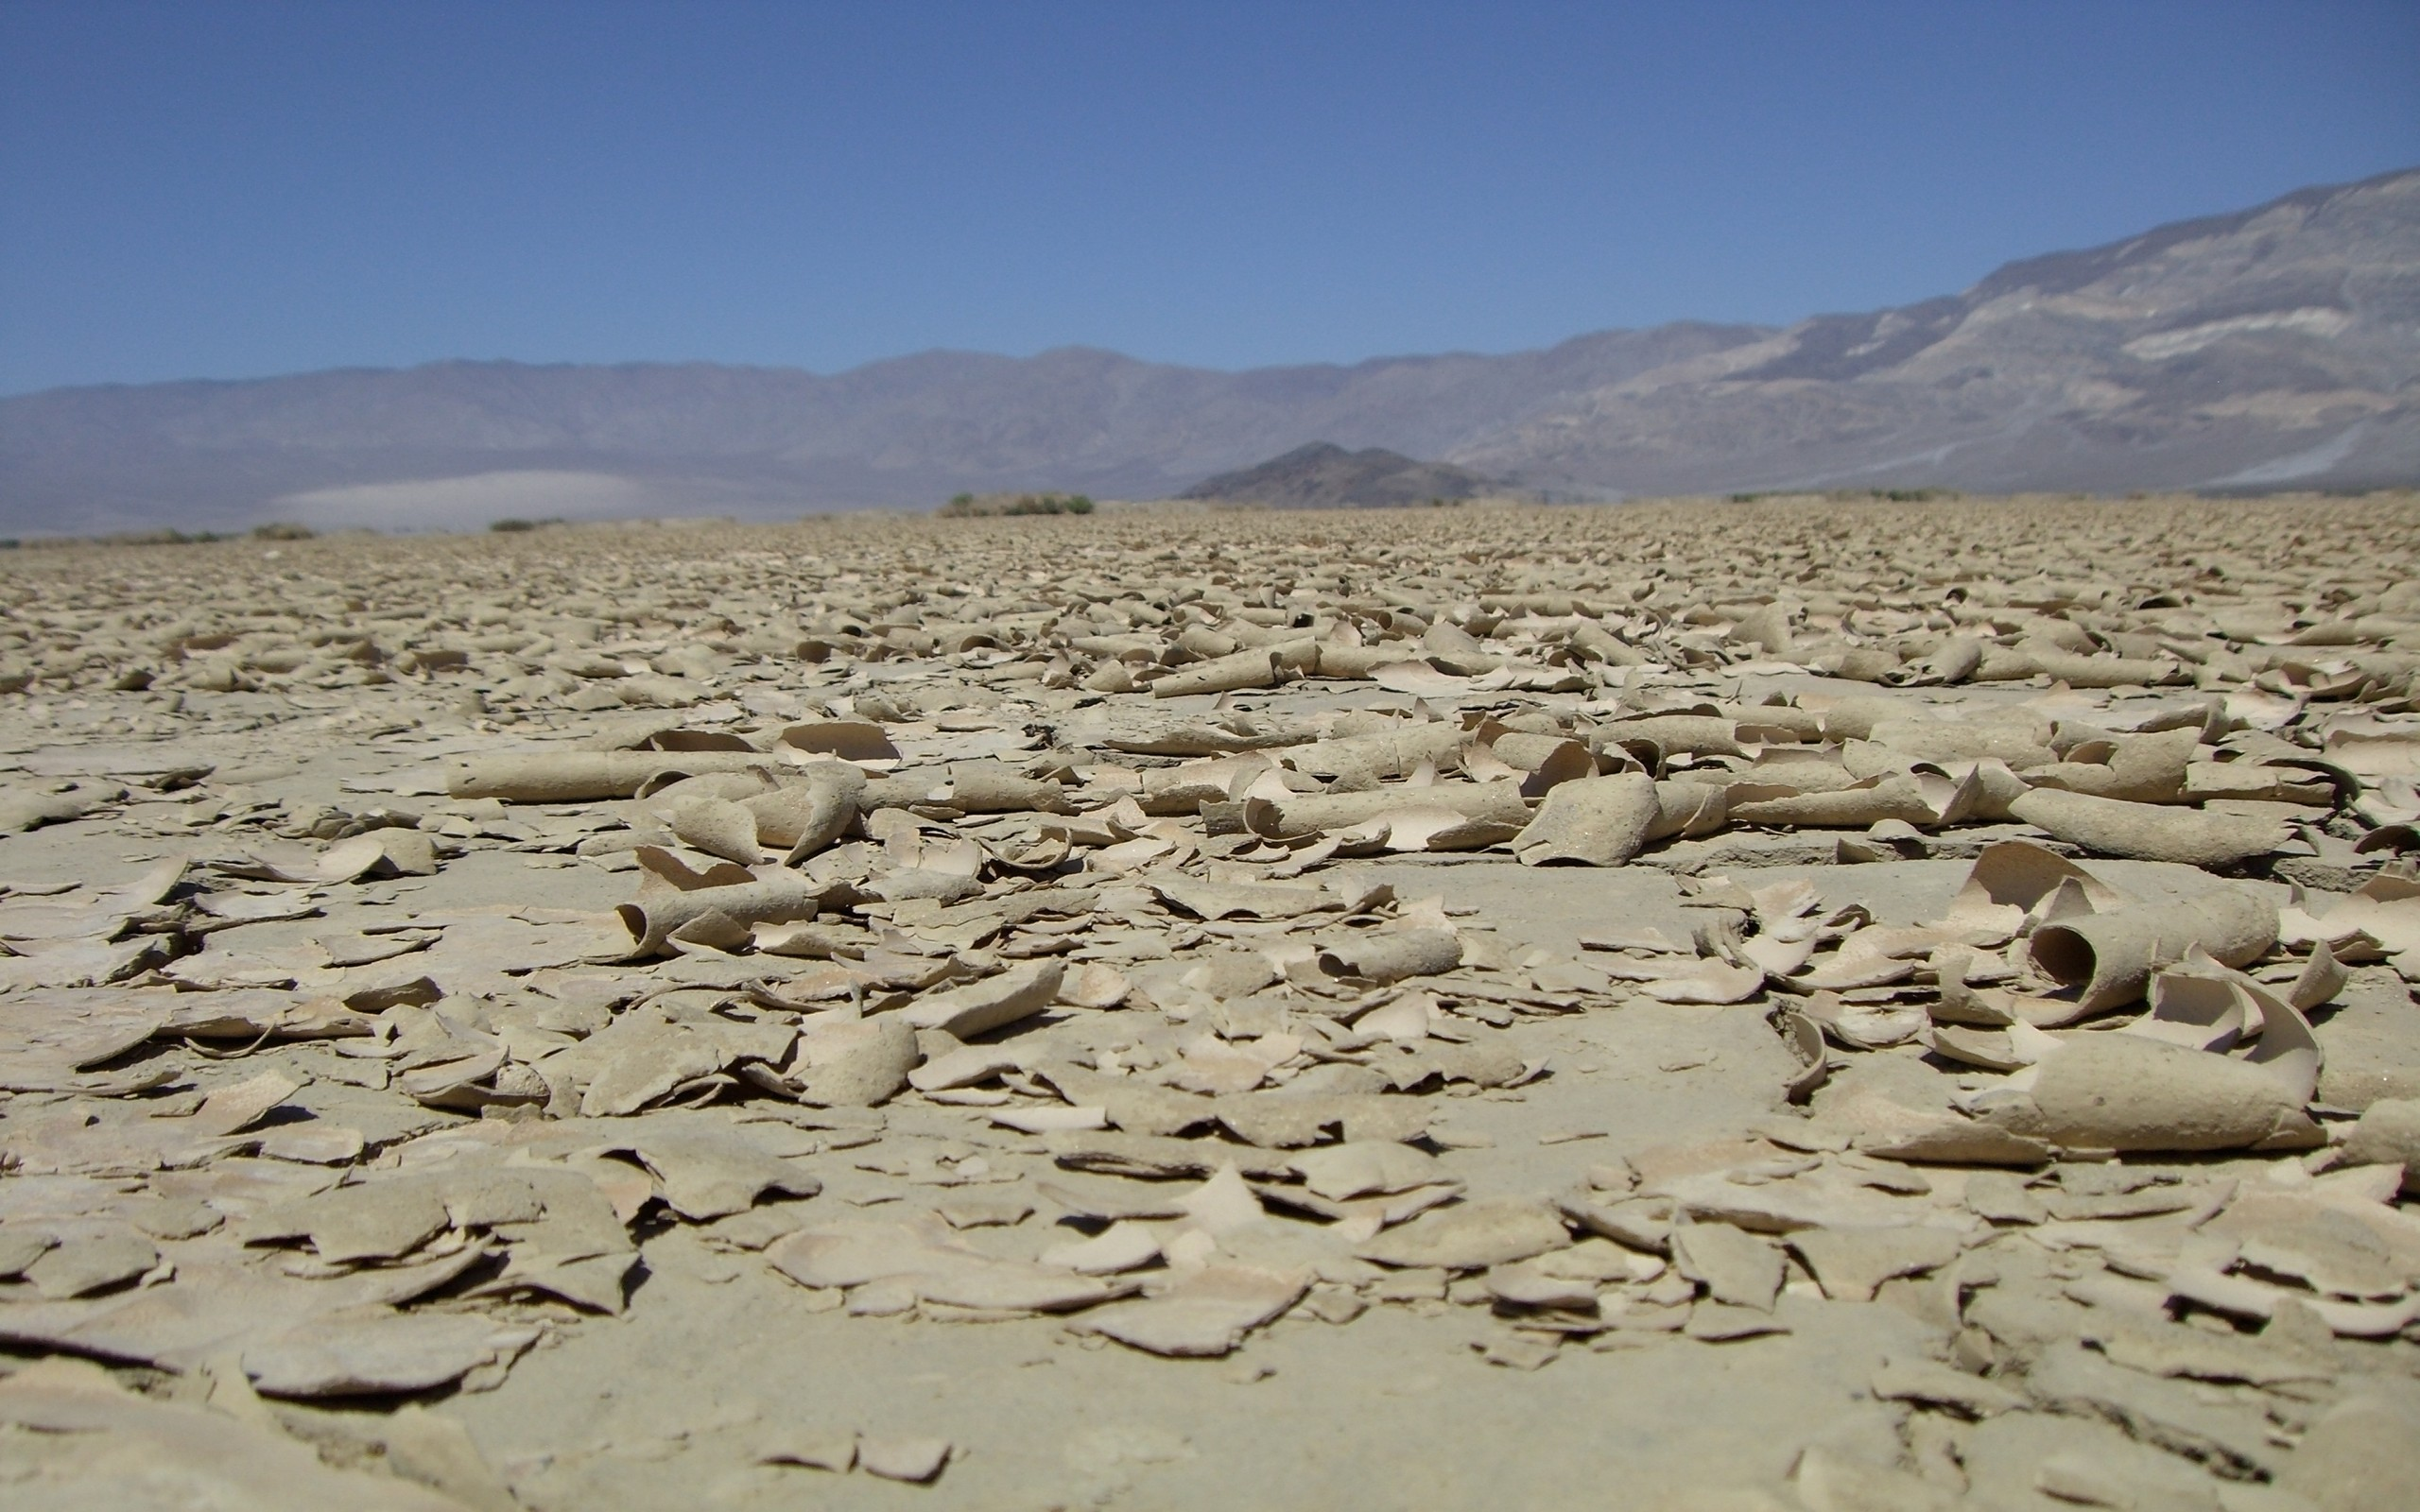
231,189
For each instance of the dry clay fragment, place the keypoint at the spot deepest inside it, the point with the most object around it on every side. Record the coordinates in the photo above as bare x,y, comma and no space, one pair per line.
2364,1452
1383,956
1936,1385
2171,1414
2016,880
1876,801
1216,900
1828,1481
708,1170
1597,821
2149,831
1358,1169
1735,1267
2011,663
189,1456
643,1058
74,1267
1206,1313
235,1107
993,1003
828,1449
1255,667
1712,981
1471,1236
854,1063
22,810
718,827
2140,769
2134,1093
584,776
387,852
380,1352
913,1460
1291,819
374,1219
922,1253
2110,958
805,817
1118,1153
1688,809
2389,1134
658,914
1849,1263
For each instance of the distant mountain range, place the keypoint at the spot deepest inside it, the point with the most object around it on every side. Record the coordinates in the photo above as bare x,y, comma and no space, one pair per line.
1326,476
2276,347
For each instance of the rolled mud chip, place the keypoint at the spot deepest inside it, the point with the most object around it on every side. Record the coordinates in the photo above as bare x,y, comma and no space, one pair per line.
656,916
991,787
1673,734
1950,740
1688,809
1397,752
1597,821
1552,760
806,816
1255,669
2149,831
582,776
1494,802
2011,665
1357,662
1389,956
1953,661
1892,798
2111,956
2140,769
2129,1093
2389,1134
718,827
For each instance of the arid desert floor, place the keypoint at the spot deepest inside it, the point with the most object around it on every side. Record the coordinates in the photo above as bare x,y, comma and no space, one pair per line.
1720,1007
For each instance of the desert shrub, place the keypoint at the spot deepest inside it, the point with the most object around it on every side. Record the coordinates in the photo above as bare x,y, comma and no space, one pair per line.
170,537
983,505
282,530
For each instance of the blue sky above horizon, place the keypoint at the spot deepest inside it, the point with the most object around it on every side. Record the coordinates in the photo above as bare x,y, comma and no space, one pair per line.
260,186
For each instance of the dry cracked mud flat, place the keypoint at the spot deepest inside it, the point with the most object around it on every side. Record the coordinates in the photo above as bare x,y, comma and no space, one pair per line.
1721,1007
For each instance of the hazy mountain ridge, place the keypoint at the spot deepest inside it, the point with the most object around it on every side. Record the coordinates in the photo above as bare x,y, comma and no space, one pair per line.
2276,345
1325,476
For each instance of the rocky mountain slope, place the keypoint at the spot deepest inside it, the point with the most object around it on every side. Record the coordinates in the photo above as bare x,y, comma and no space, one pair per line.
1323,475
2275,347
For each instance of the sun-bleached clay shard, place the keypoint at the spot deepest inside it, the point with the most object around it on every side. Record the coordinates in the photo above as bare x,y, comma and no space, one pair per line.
1471,1235
993,1003
187,1455
379,1353
659,914
2150,832
1205,1313
2139,1093
2108,958
1597,821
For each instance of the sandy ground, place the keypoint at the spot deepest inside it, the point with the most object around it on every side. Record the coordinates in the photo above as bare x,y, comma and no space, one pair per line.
1568,1012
